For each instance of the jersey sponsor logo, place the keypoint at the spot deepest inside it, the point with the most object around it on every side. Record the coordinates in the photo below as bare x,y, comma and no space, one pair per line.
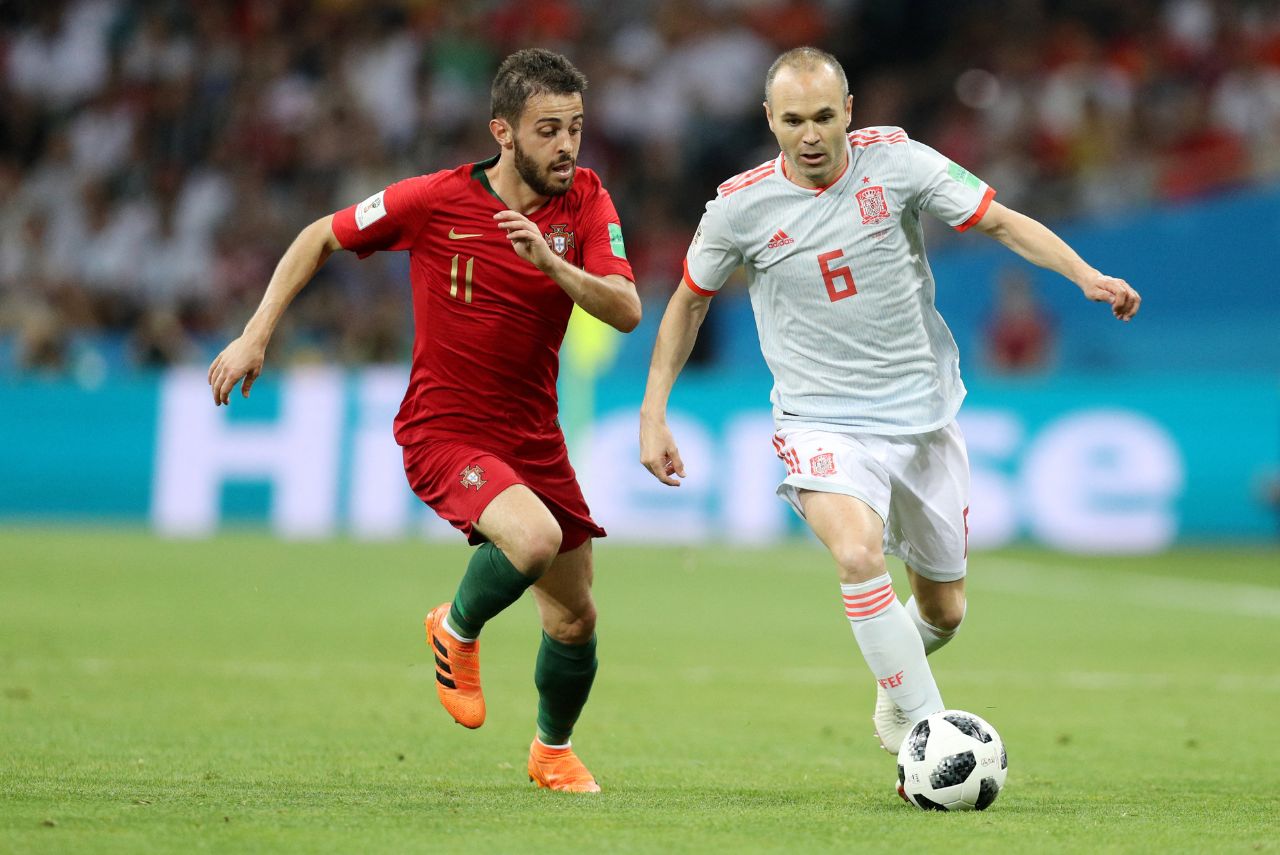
472,476
560,239
872,205
823,465
697,237
370,211
779,238
454,234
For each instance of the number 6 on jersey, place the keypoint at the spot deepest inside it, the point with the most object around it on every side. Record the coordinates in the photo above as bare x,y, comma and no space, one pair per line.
830,275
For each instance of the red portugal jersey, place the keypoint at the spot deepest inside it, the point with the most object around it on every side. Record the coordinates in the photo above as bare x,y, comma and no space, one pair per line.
487,323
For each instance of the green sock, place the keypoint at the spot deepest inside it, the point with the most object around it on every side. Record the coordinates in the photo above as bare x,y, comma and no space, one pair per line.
563,675
490,584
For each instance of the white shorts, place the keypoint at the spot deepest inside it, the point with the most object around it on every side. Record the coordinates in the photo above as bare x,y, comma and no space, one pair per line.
918,484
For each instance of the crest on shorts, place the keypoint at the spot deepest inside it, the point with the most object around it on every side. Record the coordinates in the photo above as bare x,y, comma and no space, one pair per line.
872,205
473,476
559,239
823,465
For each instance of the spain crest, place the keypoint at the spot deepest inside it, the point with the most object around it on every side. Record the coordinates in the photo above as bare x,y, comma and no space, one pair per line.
559,239
823,465
472,476
872,205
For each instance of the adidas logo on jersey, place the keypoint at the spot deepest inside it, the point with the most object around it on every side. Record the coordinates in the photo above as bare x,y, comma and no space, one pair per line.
779,239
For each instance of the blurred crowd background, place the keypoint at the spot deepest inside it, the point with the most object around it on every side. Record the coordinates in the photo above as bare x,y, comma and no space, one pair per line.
156,158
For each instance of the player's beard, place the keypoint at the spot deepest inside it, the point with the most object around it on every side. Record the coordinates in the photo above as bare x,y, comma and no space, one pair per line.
540,178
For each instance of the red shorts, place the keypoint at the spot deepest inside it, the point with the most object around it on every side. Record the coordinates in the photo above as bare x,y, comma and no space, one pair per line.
459,478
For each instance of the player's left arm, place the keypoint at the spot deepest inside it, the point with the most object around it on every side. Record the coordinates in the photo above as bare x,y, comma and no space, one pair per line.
1038,244
611,298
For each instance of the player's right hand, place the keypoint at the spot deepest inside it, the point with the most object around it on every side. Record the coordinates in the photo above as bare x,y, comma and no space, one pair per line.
240,360
658,452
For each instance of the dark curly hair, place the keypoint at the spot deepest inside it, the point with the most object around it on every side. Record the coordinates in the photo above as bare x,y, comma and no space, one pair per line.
530,72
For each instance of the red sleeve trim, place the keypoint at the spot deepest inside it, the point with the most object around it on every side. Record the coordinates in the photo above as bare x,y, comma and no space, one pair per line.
978,214
343,226
693,286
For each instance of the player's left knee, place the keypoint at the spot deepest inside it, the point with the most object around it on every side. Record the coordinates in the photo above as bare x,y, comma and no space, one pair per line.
575,628
946,616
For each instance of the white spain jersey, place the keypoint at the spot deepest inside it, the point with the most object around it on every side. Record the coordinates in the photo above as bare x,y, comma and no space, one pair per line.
842,291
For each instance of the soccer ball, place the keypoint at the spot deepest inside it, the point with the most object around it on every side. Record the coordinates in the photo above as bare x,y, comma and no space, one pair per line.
952,760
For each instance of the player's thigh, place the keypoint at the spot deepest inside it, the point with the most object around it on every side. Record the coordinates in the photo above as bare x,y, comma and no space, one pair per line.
828,462
563,595
517,522
836,483
548,472
850,529
928,525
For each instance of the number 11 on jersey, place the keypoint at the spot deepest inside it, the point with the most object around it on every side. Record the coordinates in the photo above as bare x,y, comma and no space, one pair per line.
833,275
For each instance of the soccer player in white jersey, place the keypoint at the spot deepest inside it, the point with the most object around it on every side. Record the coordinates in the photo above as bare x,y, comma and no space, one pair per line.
866,374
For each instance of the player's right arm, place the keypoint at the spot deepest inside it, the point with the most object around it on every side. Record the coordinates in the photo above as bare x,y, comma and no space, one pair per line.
676,336
388,220
242,359
713,255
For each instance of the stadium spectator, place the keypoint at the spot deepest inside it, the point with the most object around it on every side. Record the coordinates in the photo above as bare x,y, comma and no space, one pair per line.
249,108
1019,334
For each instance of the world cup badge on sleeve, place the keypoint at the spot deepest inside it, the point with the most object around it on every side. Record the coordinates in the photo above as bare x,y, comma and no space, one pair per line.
872,206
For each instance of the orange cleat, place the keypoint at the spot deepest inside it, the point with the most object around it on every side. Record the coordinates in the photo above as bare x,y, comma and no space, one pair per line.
457,671
559,769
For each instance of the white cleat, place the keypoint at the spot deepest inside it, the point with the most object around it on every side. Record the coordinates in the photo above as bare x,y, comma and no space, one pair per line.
892,724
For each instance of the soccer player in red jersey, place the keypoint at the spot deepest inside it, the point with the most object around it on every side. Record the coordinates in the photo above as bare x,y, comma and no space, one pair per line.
500,251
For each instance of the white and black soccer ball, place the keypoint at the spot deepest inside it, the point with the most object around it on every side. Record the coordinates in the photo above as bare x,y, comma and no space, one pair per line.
952,760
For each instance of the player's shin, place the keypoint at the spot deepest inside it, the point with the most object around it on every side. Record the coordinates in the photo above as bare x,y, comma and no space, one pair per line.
891,646
932,636
490,584
564,674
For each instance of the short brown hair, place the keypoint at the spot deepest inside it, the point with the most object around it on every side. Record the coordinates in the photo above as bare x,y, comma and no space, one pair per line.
805,59
530,72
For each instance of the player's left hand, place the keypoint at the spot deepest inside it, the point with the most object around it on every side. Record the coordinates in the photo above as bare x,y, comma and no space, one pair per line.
527,239
1123,298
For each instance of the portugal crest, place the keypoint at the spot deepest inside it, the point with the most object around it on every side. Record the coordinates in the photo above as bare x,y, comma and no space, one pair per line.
473,476
872,205
823,465
559,239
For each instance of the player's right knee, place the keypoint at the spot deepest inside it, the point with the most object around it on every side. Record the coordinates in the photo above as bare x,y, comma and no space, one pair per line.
858,562
533,550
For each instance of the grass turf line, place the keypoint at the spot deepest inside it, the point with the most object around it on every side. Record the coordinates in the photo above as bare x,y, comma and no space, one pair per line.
245,694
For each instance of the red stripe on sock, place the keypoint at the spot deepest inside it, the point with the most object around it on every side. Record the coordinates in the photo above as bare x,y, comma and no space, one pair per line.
869,595
871,609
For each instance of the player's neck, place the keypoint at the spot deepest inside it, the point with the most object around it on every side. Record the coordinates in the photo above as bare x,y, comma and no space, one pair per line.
511,188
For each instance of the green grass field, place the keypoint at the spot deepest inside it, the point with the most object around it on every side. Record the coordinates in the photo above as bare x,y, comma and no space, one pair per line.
244,694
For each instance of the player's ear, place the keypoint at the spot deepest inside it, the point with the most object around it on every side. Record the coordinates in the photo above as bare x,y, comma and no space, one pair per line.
502,132
768,114
848,111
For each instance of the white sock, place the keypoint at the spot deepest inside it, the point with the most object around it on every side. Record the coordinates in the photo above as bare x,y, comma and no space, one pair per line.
932,637
891,646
